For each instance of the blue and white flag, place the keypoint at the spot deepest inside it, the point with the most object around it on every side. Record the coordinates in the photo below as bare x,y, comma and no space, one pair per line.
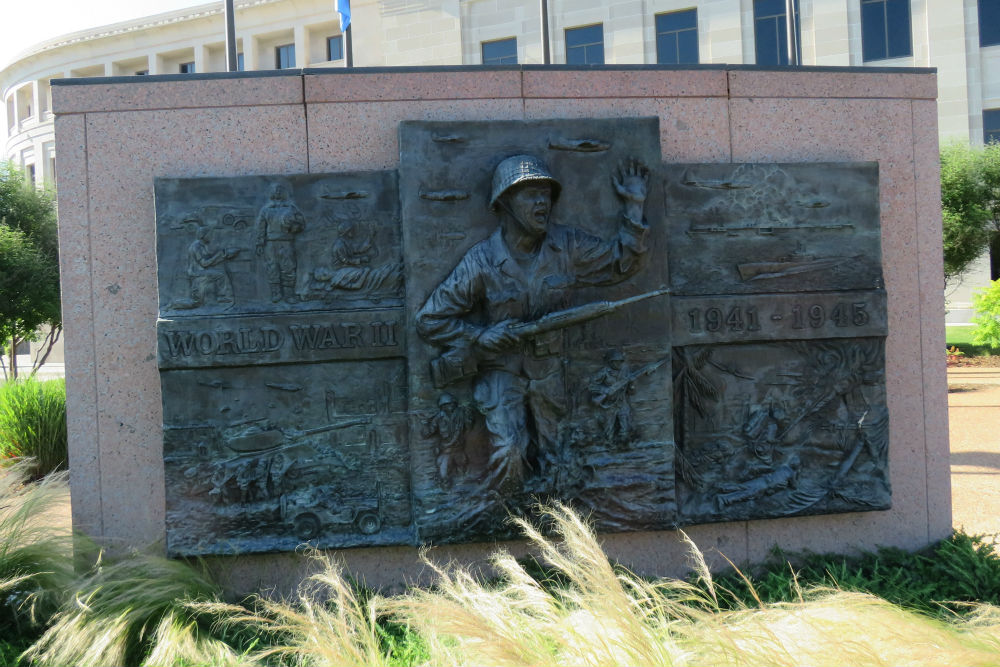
344,9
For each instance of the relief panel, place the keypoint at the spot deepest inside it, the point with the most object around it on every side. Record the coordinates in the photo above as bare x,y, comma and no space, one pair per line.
572,401
523,312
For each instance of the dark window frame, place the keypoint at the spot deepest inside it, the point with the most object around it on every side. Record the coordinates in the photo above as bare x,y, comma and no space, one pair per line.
991,22
888,47
587,48
330,41
991,125
505,59
676,33
280,52
186,68
778,21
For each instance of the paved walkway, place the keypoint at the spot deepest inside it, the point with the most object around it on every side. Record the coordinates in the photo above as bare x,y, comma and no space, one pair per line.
974,425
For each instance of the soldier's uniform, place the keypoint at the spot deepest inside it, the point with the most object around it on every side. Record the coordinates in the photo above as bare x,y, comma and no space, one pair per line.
205,276
277,224
491,284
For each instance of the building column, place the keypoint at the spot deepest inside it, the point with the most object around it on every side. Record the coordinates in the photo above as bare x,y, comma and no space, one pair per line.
301,39
249,52
36,101
200,58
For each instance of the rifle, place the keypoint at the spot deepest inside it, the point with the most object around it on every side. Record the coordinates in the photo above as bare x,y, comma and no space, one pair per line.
460,363
578,314
632,377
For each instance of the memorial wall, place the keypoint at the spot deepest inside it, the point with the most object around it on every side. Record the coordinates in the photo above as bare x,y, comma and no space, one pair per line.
379,309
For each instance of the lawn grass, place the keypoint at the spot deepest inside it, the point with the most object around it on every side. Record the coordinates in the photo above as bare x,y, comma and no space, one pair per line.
961,337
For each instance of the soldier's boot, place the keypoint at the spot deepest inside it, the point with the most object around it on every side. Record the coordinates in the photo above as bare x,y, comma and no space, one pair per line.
275,293
288,291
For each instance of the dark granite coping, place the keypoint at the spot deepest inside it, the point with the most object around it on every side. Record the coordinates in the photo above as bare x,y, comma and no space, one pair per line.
327,71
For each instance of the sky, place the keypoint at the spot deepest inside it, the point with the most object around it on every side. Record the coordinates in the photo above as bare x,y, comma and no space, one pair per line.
24,23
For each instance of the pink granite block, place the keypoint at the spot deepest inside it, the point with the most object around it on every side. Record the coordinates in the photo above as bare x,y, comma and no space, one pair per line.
365,135
691,130
180,143
150,93
390,569
808,130
393,569
666,554
364,86
790,84
926,171
609,82
78,326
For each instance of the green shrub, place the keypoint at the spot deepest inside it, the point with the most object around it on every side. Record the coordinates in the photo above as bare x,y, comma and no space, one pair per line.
33,423
940,580
987,318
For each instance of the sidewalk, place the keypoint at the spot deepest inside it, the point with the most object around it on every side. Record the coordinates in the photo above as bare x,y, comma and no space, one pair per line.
974,426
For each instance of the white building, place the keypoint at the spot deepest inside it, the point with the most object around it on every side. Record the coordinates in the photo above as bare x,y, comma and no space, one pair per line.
961,38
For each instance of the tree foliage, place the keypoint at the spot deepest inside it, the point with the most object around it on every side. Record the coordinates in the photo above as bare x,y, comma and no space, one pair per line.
987,318
970,203
29,259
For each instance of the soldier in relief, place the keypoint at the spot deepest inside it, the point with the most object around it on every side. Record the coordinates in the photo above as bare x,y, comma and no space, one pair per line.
523,271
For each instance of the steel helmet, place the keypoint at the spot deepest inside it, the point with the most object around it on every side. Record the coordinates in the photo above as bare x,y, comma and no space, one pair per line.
520,169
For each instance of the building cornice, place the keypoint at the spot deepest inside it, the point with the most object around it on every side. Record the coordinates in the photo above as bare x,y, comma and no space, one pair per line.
131,26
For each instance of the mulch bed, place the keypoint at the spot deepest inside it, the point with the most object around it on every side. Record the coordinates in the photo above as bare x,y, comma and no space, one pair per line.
987,361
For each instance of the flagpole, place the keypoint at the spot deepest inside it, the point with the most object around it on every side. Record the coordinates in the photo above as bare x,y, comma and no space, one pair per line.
793,47
349,47
545,31
344,9
231,62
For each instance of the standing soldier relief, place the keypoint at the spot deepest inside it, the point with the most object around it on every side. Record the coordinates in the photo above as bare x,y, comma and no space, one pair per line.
521,273
277,224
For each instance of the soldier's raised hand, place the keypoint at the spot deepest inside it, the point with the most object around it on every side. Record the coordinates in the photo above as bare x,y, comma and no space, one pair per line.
632,181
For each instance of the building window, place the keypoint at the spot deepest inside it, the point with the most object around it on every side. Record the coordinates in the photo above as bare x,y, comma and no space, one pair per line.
284,56
885,29
991,125
500,52
187,68
771,32
30,168
585,46
677,38
335,48
989,22
142,72
239,62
